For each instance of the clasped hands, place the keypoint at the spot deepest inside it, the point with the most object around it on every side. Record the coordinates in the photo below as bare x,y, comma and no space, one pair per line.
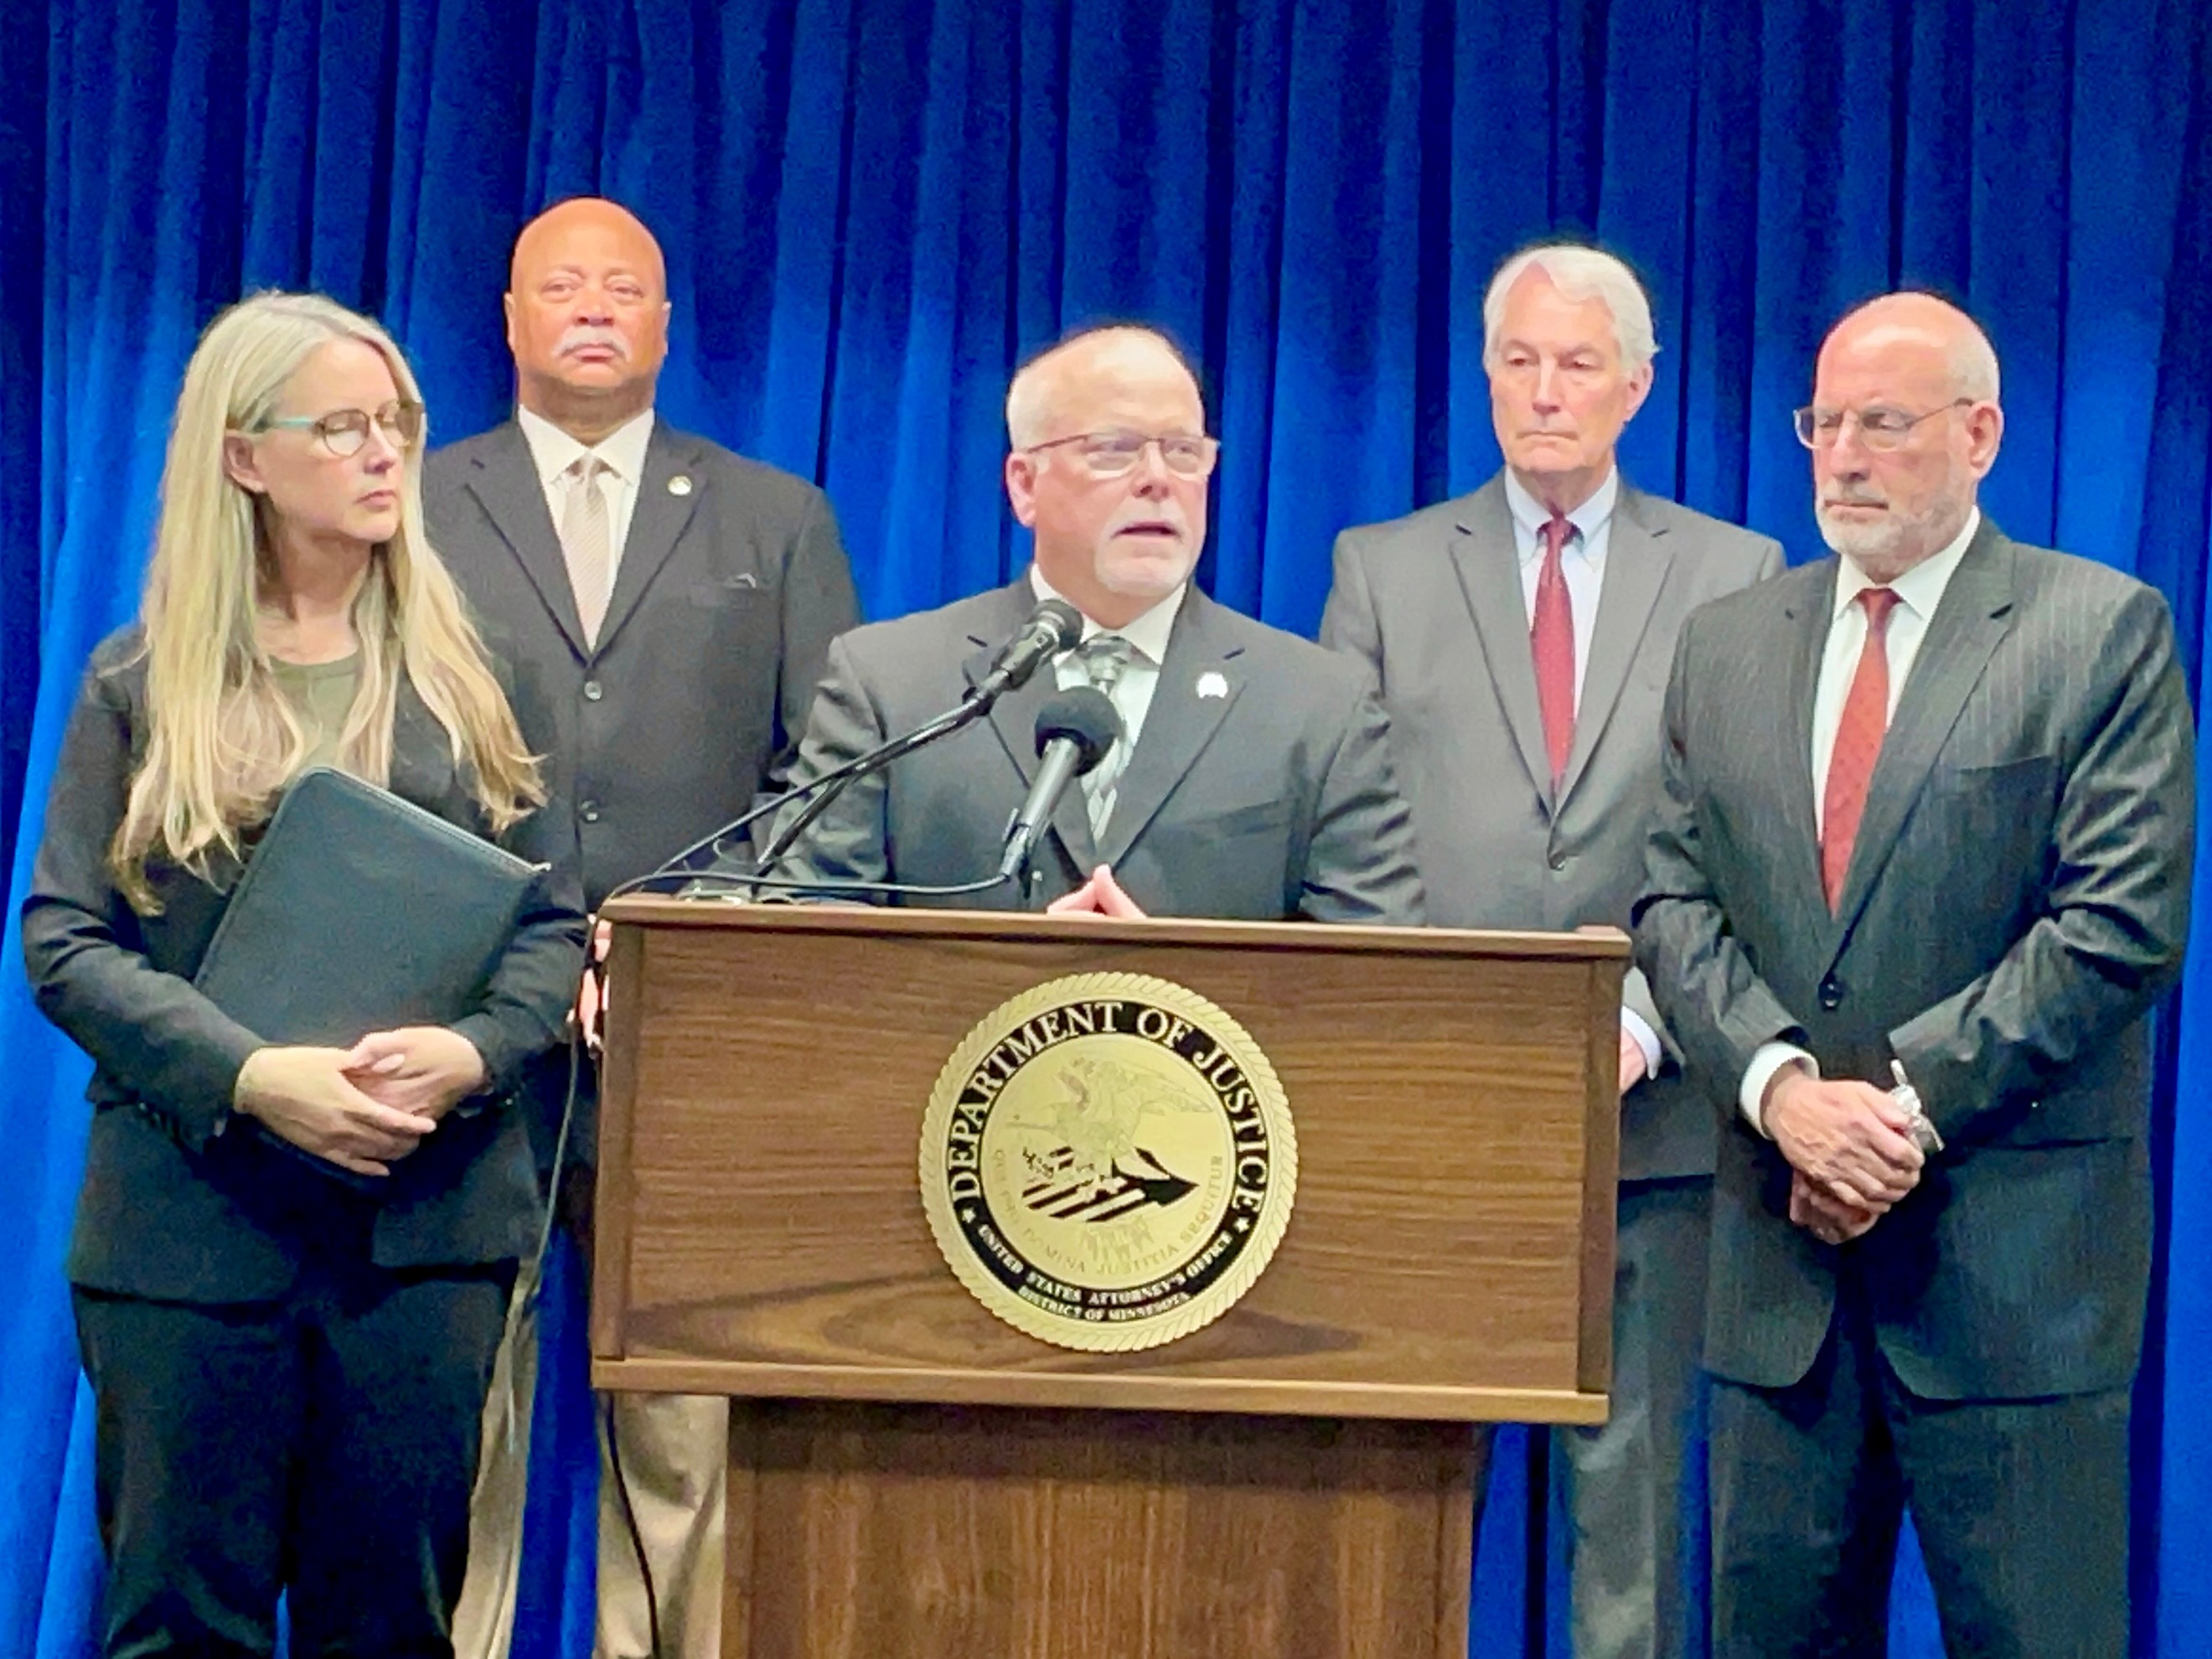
1101,896
1850,1150
364,1108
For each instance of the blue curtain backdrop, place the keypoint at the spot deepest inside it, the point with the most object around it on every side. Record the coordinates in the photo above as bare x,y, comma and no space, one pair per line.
871,208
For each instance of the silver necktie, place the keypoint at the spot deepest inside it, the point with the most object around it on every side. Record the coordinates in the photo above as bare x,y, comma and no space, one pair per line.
588,544
1105,658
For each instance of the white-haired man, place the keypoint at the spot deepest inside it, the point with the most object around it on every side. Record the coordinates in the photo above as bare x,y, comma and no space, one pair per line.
1252,780
1523,636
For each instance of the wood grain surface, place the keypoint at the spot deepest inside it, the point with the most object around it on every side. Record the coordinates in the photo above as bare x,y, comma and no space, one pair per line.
869,1532
761,1232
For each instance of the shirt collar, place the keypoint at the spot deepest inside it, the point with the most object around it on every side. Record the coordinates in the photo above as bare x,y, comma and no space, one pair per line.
1592,516
1148,633
622,452
1922,587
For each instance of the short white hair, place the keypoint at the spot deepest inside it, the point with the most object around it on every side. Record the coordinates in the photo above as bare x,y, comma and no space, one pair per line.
1579,273
1030,398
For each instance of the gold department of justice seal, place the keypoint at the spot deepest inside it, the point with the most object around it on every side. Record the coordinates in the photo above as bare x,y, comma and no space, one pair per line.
1108,1161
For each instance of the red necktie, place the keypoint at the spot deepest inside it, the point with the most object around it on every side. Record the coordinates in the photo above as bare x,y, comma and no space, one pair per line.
1858,744
1552,641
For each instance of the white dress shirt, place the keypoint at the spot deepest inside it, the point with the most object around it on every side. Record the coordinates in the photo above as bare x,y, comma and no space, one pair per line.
621,453
1919,591
1132,696
1582,561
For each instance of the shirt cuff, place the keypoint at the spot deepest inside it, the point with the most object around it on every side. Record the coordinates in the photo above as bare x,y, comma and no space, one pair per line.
1771,1057
1646,1039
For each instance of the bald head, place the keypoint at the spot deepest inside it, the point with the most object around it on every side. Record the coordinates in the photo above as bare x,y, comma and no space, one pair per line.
1906,425
553,234
1925,323
587,316
1054,381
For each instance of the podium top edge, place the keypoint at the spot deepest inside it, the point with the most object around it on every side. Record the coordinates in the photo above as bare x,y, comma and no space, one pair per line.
1597,945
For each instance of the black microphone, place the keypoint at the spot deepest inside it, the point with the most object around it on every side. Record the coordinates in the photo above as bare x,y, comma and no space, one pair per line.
1054,627
1073,733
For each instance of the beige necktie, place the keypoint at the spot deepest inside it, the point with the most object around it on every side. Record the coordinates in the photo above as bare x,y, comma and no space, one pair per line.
588,544
1104,658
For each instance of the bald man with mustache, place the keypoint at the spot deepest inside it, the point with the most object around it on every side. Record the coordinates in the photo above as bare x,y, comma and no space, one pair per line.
676,603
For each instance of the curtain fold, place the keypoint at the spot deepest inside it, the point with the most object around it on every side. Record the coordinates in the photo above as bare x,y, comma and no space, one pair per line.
873,209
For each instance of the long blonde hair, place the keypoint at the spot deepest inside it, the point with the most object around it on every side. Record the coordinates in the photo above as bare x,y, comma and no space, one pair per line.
224,738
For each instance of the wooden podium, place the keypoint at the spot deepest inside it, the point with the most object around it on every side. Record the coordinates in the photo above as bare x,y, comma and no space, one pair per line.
909,1475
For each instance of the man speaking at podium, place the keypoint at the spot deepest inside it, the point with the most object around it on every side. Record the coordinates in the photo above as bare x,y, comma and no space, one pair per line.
1251,779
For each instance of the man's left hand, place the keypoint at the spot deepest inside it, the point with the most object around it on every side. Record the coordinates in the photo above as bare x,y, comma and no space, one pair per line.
1826,1217
424,1069
1101,896
591,1010
1633,1065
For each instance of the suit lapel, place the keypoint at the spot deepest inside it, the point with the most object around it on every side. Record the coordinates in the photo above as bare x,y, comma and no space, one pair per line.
422,769
1013,717
1489,569
1635,565
1973,615
1807,621
1178,724
656,523
505,483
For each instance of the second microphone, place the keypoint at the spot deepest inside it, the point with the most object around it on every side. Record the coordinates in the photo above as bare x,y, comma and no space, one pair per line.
1074,732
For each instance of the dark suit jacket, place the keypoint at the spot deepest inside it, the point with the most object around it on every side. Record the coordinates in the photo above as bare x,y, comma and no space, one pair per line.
1274,798
1432,604
2017,900
725,599
180,1204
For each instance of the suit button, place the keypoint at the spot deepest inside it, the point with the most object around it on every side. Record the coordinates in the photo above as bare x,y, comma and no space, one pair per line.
1832,993
1558,861
593,691
589,812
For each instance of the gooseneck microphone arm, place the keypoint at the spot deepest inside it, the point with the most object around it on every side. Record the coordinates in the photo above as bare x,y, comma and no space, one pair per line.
1054,626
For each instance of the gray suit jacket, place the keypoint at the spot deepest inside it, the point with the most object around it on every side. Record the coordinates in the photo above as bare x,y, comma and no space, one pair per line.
1432,603
725,599
1272,800
2017,900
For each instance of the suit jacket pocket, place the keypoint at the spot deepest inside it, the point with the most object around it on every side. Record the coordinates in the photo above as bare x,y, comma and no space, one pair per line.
2020,781
1260,818
1994,821
717,593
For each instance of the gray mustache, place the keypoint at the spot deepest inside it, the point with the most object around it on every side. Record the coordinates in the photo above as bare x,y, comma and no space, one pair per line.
589,335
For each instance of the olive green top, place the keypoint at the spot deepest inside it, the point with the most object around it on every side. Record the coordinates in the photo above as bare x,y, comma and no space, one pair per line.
321,695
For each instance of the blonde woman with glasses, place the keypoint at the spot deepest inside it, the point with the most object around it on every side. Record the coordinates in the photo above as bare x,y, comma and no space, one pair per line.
288,1372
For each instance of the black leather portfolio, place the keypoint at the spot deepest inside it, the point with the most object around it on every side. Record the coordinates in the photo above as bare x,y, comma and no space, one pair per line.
360,912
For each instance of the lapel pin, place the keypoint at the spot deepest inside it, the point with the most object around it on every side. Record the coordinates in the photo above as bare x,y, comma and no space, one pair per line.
679,485
1211,684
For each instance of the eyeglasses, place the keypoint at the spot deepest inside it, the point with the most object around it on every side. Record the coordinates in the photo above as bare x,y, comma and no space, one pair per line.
1879,429
1110,455
345,431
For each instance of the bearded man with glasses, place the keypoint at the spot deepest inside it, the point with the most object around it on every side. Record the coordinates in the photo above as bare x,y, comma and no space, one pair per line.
1921,873
1252,780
